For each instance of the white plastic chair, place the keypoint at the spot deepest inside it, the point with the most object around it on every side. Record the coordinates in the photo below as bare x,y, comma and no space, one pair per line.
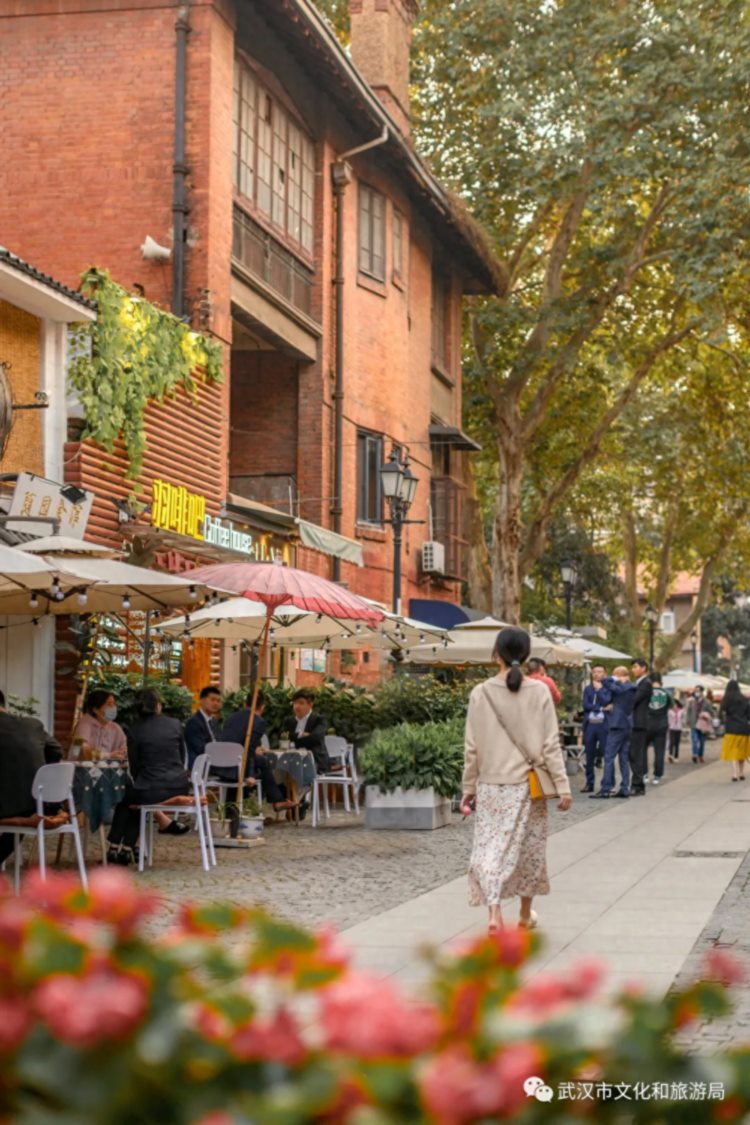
339,750
52,785
227,755
197,809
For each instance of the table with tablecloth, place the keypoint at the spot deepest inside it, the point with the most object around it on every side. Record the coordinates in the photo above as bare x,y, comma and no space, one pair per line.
98,787
297,765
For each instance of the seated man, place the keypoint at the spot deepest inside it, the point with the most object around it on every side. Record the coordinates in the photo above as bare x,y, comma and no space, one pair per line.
24,747
306,730
203,726
257,765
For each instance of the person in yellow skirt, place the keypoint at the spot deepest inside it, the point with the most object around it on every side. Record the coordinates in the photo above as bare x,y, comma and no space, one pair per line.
735,713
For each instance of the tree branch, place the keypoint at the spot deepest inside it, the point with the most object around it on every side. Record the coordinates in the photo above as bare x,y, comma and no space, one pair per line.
665,553
537,531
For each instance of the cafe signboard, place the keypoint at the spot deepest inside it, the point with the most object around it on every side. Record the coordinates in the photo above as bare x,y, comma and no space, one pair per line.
174,508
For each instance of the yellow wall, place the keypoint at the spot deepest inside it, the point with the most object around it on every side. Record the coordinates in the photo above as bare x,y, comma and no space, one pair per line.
20,334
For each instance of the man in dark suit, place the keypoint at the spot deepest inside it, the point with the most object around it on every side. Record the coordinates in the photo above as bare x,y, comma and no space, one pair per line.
619,731
203,726
639,737
24,747
306,730
235,730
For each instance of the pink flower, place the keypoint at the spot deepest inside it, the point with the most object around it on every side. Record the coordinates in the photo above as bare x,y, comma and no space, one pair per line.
216,1117
541,996
15,1020
512,1067
58,894
276,1039
367,1017
720,965
87,1010
584,978
456,1087
331,949
114,898
512,946
15,916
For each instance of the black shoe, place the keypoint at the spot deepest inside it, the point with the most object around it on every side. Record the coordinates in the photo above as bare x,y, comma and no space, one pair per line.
121,856
620,794
599,796
174,828
588,789
598,763
304,805
639,793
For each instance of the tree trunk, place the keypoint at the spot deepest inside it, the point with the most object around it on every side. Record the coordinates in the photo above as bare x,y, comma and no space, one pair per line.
674,645
479,578
507,528
630,546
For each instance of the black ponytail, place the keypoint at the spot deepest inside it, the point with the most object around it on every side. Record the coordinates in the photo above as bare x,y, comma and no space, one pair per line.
512,646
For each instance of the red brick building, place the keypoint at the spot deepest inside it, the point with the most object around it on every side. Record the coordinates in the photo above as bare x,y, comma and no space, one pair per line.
281,176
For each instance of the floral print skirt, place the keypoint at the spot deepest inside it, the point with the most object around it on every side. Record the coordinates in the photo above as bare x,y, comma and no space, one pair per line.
509,856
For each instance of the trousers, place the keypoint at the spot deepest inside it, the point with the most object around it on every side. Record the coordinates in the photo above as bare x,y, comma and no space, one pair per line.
126,823
674,743
617,750
595,743
638,741
698,740
657,739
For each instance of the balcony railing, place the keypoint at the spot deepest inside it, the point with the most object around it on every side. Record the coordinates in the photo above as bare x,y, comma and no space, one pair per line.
260,254
446,496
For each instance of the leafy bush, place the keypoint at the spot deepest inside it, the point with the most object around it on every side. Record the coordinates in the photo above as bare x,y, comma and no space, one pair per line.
126,689
416,756
408,699
104,1025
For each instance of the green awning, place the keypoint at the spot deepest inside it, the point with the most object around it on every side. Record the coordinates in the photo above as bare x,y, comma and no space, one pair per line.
330,542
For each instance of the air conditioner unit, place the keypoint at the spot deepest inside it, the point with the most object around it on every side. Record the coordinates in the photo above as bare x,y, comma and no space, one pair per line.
433,557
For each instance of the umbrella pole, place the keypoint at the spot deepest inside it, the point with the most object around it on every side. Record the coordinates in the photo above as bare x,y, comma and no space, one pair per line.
80,698
253,705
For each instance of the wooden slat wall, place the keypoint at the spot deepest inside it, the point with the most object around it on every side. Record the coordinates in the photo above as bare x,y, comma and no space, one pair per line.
185,445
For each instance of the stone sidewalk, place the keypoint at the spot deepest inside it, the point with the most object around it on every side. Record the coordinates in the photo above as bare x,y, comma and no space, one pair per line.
635,886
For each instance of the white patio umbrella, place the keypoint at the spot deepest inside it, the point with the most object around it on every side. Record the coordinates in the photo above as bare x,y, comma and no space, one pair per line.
591,650
66,545
91,585
239,619
471,643
681,679
20,572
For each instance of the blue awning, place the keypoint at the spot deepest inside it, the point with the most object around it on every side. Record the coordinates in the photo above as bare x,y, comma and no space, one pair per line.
446,615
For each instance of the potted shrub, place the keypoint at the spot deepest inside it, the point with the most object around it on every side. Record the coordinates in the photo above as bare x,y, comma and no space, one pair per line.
251,819
411,772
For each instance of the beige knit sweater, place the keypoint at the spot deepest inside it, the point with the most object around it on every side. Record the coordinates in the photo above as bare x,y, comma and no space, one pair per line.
490,756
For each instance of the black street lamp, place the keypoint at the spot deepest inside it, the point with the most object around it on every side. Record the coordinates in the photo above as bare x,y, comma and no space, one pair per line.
694,646
652,617
569,575
399,486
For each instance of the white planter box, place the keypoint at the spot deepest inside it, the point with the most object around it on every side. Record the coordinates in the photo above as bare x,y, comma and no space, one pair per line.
406,809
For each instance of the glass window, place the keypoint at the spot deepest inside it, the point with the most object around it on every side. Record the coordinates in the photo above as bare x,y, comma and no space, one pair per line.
274,161
371,232
369,463
440,356
399,228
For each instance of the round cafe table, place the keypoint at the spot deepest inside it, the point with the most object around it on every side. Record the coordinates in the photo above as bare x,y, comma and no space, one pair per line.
98,787
298,770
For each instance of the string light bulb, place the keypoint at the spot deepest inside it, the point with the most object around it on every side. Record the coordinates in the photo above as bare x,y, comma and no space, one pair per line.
83,598
126,602
55,589
421,638
186,635
192,593
33,601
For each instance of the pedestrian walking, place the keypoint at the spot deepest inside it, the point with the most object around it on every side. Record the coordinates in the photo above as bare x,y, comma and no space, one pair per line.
735,714
511,732
639,737
620,727
537,670
596,697
700,721
657,726
676,723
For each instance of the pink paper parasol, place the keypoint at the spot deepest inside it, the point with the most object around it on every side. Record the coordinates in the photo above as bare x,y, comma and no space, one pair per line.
275,585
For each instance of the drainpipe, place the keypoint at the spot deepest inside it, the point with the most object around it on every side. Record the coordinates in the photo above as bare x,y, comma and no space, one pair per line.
341,175
179,168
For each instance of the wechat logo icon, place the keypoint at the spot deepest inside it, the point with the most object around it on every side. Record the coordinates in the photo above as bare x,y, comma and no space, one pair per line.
535,1088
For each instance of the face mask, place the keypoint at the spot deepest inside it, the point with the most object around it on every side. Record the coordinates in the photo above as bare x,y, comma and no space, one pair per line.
110,714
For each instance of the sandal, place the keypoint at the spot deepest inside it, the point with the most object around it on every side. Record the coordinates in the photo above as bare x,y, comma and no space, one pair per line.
532,923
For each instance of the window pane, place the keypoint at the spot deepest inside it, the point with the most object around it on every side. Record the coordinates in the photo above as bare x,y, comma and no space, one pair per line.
439,322
373,481
378,235
308,186
265,144
279,167
398,244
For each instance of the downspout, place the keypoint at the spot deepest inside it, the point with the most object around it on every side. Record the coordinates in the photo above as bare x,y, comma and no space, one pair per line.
179,168
341,175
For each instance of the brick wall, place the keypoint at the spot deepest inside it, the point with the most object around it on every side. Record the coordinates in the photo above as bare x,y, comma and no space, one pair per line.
263,414
20,352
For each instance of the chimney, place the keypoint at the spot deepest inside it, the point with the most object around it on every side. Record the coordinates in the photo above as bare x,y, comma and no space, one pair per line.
380,43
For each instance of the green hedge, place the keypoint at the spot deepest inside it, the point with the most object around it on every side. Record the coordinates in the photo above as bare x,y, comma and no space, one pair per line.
416,756
126,689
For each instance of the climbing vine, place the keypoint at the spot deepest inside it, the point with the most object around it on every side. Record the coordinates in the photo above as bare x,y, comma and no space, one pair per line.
134,353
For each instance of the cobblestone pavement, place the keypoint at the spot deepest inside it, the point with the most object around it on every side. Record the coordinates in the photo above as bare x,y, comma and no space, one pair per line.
728,929
341,872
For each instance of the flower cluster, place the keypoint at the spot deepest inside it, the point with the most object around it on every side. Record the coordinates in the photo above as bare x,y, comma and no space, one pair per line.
100,1023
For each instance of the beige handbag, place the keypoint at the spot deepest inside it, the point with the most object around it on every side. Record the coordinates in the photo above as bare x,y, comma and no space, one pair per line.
541,783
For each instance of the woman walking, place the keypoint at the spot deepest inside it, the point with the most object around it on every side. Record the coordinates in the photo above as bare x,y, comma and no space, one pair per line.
735,713
510,725
676,721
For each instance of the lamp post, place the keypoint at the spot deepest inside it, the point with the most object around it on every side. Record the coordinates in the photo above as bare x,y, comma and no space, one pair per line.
569,575
694,646
652,616
399,486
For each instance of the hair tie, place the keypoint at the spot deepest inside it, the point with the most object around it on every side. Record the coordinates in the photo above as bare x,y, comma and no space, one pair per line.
515,663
